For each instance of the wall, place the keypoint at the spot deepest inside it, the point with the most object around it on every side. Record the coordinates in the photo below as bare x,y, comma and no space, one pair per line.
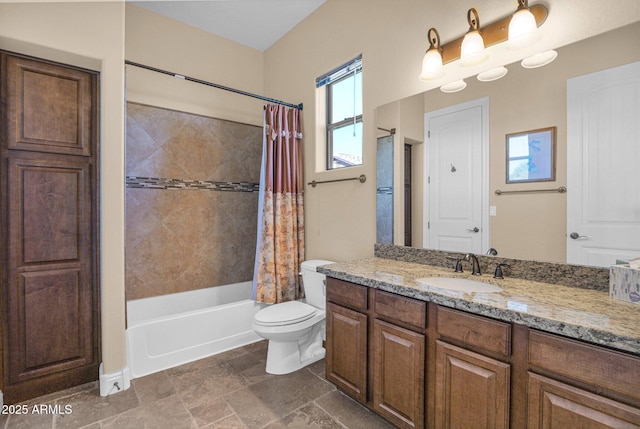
191,201
160,42
340,221
96,42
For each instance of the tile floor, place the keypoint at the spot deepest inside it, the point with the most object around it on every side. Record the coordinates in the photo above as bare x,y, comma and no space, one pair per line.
228,390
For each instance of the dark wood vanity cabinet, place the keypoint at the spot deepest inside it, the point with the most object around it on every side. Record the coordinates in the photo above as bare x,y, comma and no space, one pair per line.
424,365
398,359
347,342
472,380
347,350
573,384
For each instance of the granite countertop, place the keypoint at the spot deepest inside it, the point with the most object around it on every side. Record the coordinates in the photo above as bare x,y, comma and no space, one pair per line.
583,314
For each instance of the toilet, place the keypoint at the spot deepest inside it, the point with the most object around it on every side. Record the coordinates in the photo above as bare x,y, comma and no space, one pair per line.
295,329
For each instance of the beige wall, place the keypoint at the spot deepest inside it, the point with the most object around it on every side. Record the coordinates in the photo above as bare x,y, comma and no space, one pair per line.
340,217
89,35
160,42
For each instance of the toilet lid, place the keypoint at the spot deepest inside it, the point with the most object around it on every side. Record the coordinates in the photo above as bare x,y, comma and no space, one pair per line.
285,313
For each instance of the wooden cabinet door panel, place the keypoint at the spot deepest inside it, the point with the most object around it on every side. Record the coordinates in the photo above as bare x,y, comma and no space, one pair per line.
51,291
472,390
555,405
346,358
49,107
398,381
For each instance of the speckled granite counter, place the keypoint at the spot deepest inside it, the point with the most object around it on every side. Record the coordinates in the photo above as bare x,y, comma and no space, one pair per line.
583,314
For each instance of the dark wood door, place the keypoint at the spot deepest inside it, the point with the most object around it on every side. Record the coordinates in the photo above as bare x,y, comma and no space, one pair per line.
472,390
398,375
49,228
555,405
346,358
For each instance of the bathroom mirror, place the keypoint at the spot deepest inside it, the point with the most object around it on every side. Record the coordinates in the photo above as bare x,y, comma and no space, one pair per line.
526,224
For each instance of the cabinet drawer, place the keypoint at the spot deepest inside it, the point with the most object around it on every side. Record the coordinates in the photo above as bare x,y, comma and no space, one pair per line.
476,331
400,309
558,405
590,364
348,294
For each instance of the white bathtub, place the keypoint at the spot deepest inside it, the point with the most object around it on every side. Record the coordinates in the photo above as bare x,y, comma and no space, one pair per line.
171,330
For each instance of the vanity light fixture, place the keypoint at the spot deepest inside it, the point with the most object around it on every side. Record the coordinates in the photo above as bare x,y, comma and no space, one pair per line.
432,61
472,45
472,49
522,26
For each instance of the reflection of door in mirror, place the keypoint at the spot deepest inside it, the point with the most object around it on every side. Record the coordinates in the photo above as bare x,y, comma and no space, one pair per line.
603,181
455,158
384,190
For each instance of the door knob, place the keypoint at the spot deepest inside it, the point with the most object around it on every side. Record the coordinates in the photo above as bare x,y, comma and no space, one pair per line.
575,236
475,229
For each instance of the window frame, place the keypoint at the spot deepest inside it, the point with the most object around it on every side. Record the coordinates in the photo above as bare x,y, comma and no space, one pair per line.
331,128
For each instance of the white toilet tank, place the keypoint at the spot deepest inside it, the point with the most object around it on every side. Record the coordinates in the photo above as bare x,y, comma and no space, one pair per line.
314,282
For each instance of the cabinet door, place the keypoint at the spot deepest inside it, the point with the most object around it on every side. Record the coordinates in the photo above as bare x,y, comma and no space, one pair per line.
346,358
472,390
555,405
398,374
50,106
51,292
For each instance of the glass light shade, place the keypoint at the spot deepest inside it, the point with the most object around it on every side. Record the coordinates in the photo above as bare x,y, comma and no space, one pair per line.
522,27
456,86
472,50
432,65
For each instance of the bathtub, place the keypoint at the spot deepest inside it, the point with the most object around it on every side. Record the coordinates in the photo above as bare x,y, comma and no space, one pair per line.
170,330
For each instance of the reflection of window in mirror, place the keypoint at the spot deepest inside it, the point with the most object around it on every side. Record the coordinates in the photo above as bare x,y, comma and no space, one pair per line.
531,156
344,114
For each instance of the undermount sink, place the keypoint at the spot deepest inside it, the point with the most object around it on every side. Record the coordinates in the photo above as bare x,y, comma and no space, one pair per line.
463,285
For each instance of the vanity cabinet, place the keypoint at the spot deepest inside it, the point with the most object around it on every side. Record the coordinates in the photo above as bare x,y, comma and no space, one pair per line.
398,359
472,389
420,364
346,344
573,384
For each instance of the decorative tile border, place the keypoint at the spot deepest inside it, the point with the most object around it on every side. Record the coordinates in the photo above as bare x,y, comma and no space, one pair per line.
174,184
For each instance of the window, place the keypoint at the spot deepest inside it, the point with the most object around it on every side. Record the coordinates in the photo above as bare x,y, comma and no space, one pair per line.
344,114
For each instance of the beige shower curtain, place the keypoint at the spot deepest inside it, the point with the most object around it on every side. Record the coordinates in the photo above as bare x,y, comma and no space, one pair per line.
280,244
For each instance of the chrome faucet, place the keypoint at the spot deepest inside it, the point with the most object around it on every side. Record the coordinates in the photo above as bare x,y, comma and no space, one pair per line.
475,265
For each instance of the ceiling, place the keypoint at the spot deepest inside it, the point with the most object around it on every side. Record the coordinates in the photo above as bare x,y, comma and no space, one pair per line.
254,23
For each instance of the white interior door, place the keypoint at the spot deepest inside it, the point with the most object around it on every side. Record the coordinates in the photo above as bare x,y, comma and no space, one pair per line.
603,167
456,184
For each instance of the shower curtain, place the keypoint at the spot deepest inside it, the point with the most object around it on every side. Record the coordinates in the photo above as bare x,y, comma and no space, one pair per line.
280,243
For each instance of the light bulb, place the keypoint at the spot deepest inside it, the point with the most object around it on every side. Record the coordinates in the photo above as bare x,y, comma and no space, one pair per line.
522,28
432,65
472,50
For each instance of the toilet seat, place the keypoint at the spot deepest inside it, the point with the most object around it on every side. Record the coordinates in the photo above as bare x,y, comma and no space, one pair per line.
286,313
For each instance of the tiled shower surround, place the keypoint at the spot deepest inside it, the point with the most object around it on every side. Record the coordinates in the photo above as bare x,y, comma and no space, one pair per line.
191,201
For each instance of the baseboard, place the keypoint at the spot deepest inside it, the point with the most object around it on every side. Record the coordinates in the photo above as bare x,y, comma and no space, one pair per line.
114,382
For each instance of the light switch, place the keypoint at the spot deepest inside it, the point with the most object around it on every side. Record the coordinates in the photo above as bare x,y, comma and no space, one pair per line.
492,210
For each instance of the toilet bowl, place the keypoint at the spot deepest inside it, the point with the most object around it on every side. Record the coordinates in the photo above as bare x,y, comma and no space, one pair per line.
295,329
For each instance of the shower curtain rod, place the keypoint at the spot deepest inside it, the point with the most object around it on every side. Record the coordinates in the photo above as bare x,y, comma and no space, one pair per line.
215,85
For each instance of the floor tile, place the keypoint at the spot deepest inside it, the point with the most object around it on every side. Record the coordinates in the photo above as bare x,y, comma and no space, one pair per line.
274,398
310,416
153,387
88,407
350,413
210,410
230,390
